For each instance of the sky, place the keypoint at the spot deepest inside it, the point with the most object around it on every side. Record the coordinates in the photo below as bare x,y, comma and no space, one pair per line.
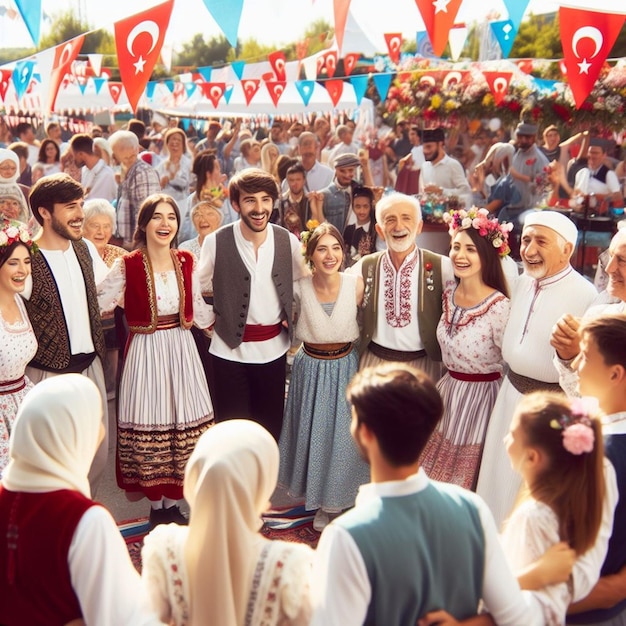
271,22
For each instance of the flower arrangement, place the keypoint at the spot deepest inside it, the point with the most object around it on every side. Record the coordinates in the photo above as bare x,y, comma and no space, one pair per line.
12,231
491,229
578,435
311,225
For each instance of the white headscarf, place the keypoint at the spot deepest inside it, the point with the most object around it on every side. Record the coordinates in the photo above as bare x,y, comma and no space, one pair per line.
9,186
55,436
228,482
9,155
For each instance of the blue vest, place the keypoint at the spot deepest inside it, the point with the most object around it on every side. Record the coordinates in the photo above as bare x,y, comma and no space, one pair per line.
423,551
615,451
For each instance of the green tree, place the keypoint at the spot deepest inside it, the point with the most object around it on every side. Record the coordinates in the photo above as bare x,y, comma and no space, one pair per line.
201,53
538,37
250,51
66,26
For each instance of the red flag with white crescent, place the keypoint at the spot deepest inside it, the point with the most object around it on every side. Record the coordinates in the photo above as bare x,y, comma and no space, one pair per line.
498,83
327,61
277,61
5,79
438,16
214,92
115,89
394,45
250,86
349,62
334,89
587,38
64,55
138,40
276,89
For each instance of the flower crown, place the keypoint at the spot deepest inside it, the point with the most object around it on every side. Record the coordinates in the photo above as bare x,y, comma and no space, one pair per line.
491,229
578,435
311,225
12,231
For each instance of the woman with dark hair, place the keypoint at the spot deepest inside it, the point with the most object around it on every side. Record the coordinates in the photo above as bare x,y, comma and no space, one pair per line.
318,461
17,338
164,402
475,311
50,157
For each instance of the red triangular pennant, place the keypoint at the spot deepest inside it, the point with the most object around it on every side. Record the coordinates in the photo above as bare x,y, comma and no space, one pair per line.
138,40
341,8
498,83
438,16
250,86
349,62
334,89
328,62
115,89
214,92
394,45
453,77
64,55
587,38
5,80
275,89
277,61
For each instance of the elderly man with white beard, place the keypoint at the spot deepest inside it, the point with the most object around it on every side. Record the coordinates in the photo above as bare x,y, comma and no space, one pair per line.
548,288
403,287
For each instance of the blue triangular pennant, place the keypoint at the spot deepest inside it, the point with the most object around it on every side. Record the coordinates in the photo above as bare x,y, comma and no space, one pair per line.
424,48
169,84
227,14
98,82
238,68
150,87
31,14
545,85
206,72
516,10
305,89
22,74
382,82
82,87
505,32
190,88
228,92
360,86
185,122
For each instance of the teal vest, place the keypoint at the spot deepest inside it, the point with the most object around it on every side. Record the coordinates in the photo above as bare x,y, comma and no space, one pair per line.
429,302
423,552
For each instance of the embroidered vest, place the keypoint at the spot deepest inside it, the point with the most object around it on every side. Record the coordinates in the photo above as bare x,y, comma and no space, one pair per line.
231,283
429,301
140,305
46,313
35,585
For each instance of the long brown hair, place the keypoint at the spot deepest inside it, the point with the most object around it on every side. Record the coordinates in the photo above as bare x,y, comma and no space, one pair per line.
146,211
572,485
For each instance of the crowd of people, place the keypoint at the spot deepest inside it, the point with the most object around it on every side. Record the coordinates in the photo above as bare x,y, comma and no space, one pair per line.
260,308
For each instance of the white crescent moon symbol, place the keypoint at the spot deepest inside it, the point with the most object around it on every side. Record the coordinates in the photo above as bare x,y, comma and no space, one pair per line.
451,78
63,59
500,84
427,80
278,90
147,26
587,32
394,43
115,90
215,92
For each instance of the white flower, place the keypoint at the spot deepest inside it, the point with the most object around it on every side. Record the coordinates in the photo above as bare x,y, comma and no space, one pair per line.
24,235
466,223
12,231
3,238
497,242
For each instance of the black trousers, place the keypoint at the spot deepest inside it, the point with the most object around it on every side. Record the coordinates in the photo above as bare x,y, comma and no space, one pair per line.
253,391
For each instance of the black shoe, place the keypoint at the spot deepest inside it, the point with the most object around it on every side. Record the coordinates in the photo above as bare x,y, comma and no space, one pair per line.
175,516
159,516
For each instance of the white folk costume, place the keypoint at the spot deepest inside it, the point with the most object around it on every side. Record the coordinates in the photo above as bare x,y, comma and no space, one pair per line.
220,569
47,572
401,309
164,402
536,305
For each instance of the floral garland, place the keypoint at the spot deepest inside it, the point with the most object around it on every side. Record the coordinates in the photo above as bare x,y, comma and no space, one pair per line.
311,225
578,435
491,229
12,231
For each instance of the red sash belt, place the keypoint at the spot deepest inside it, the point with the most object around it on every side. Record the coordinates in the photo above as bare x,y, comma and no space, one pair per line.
475,378
166,322
11,386
259,332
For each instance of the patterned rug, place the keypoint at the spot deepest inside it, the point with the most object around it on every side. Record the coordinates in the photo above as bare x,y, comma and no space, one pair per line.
293,524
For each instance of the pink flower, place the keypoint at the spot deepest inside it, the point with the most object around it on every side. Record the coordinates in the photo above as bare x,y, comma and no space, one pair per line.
578,438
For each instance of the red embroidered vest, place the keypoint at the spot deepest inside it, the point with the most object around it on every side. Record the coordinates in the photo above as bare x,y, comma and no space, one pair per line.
140,305
35,582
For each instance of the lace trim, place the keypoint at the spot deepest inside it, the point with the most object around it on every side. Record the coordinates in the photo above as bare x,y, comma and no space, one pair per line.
456,317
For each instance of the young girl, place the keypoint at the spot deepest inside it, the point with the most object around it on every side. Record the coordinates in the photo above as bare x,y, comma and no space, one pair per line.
556,446
318,460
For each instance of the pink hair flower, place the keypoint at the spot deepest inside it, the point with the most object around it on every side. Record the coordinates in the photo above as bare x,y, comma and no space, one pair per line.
578,438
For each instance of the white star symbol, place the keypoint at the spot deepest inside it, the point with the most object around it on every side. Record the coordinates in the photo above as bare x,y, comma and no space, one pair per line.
441,5
584,66
139,65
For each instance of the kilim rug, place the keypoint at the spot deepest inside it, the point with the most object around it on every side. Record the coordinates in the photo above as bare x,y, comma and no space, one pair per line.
293,524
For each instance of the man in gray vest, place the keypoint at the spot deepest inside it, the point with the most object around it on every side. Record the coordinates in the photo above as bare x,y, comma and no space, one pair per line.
410,546
403,287
250,266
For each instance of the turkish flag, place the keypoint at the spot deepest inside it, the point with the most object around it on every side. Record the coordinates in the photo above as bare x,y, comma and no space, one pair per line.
64,55
5,79
214,92
438,16
276,89
454,77
138,40
334,89
349,62
277,61
394,43
115,89
250,86
587,38
327,61
498,83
